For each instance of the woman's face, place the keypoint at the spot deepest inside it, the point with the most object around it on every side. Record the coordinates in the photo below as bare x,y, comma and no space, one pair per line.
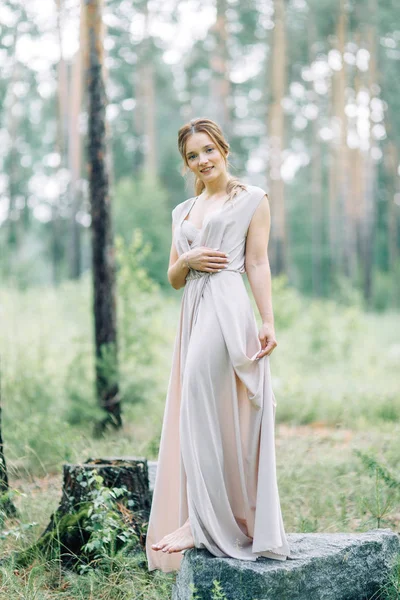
203,157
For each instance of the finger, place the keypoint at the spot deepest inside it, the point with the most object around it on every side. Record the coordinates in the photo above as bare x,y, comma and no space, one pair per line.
212,262
217,259
270,348
219,253
213,269
266,351
216,265
263,353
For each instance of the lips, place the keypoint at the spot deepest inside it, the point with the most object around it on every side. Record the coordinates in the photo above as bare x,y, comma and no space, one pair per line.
207,170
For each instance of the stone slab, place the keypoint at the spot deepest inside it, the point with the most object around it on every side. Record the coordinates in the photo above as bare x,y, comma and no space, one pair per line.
337,566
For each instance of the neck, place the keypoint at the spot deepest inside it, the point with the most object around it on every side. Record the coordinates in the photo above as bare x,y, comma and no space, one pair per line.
217,186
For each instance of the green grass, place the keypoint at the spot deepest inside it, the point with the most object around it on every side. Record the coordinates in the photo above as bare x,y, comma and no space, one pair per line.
335,378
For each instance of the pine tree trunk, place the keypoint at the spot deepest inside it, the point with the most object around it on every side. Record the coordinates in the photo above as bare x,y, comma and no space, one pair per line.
277,70
70,525
219,63
356,189
6,504
103,258
75,153
316,182
392,216
57,238
145,113
370,174
12,162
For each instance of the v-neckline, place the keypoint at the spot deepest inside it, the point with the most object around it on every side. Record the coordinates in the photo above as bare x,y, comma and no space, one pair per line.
205,219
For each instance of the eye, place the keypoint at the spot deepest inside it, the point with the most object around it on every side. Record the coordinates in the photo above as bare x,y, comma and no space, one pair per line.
211,149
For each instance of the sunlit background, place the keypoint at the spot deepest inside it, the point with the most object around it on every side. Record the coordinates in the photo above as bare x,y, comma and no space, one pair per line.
306,93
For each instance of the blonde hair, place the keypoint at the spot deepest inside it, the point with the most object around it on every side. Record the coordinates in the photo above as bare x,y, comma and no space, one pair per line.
214,131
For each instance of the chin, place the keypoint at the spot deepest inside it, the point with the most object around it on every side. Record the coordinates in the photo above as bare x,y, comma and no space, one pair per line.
209,177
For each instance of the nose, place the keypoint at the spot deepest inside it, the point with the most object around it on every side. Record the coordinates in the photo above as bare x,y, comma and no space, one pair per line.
203,160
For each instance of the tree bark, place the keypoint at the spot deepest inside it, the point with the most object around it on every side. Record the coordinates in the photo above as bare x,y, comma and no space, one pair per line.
75,153
103,258
276,140
219,63
145,113
370,172
392,217
339,231
316,181
67,531
6,504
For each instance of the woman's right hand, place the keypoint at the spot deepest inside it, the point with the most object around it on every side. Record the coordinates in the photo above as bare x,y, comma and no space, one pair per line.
207,259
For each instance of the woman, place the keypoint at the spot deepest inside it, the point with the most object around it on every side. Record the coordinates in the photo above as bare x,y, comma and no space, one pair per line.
216,482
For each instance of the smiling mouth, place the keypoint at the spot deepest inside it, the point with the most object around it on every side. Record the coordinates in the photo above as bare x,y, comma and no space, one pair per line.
207,170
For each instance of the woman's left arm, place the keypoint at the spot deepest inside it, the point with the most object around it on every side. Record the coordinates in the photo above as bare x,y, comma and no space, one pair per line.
259,274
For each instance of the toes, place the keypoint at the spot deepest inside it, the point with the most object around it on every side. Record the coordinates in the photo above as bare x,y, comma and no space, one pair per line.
159,546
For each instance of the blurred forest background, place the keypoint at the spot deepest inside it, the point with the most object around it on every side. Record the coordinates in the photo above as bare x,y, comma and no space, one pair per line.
307,93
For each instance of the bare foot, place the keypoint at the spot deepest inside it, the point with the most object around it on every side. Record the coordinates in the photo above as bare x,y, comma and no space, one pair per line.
180,539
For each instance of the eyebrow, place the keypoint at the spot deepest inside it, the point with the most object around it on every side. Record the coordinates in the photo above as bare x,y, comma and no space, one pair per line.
191,152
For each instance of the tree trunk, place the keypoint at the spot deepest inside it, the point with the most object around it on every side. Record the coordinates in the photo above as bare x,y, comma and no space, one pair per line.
6,504
12,121
57,245
145,113
75,153
356,188
392,218
276,123
219,63
103,258
67,531
116,472
370,174
316,181
338,184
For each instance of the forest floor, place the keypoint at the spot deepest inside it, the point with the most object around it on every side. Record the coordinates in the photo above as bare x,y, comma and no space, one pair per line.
335,379
323,487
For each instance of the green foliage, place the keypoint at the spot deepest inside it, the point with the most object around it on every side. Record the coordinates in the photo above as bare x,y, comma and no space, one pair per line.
193,592
140,323
141,203
385,493
217,591
345,292
109,532
79,387
386,289
391,590
98,520
288,304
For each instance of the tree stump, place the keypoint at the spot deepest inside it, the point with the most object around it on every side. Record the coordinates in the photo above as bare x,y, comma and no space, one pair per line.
67,531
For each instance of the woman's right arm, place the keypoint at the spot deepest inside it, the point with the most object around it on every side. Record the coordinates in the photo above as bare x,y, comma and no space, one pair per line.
177,270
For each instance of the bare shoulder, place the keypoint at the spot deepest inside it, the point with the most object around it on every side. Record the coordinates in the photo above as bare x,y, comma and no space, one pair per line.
257,191
260,202
179,208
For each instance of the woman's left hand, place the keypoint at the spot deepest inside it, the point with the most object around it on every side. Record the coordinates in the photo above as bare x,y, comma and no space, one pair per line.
266,335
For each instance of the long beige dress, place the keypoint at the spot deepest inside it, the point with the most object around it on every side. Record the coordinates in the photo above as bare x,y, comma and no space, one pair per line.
216,461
